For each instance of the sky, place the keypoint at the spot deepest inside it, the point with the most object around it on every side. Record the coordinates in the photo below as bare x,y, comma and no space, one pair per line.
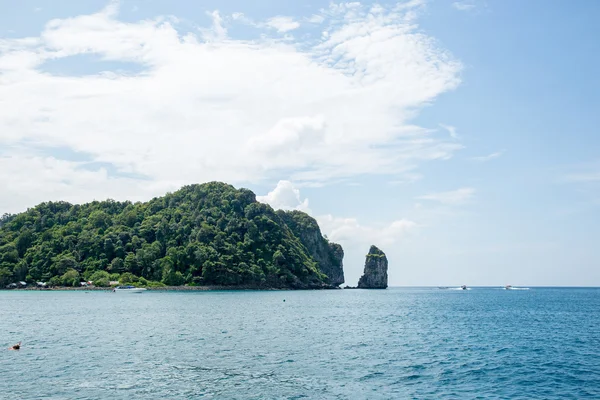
460,137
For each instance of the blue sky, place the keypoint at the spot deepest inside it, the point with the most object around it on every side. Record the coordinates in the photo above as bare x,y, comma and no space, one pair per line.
459,136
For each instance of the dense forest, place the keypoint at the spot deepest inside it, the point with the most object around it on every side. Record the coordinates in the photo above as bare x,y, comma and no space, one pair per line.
208,234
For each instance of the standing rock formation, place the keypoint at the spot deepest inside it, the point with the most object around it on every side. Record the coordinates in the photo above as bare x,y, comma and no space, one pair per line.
328,255
375,274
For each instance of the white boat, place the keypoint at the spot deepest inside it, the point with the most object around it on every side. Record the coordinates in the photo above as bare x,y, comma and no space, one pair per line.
128,289
464,287
508,287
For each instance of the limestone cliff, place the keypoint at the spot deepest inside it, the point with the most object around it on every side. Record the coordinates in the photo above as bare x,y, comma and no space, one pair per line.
328,255
375,274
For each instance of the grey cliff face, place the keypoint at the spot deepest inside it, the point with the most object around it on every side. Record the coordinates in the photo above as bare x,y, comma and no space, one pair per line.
335,265
328,255
375,275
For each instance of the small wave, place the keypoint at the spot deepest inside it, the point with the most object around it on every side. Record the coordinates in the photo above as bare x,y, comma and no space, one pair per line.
518,288
372,375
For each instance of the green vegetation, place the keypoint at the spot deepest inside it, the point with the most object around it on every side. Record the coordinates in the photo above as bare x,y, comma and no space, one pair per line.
209,234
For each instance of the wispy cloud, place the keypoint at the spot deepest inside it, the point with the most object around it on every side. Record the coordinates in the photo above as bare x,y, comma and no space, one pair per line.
584,177
466,5
316,19
282,24
451,130
37,9
453,197
489,156
316,112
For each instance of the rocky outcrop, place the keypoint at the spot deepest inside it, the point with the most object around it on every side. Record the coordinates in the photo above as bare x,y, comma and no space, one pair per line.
375,275
328,255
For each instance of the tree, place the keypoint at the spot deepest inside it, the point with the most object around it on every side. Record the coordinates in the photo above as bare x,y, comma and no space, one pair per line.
5,276
116,265
70,278
23,242
100,278
20,270
131,263
64,262
128,277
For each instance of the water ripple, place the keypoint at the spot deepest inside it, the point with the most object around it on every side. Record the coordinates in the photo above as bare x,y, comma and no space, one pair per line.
398,343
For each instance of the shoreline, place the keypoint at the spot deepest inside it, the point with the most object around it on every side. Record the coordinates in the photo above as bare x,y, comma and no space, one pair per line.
168,288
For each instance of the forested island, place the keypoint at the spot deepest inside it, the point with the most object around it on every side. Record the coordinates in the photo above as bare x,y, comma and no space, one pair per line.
210,234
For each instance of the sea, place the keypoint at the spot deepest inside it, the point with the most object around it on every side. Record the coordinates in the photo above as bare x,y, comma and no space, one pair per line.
399,343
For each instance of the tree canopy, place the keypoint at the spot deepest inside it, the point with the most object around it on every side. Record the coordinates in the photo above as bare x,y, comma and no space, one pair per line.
208,234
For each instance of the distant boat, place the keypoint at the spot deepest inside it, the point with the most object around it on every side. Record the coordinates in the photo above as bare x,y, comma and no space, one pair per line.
509,287
464,287
128,289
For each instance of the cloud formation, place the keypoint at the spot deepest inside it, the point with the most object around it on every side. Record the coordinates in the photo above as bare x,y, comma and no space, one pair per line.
285,196
451,130
349,231
343,230
584,177
185,107
488,157
453,197
282,24
466,5
585,173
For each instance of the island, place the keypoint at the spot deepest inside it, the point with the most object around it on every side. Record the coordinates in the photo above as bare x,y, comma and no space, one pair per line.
375,274
202,235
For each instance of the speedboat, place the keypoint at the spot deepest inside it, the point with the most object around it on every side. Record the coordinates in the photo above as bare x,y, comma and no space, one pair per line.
464,287
128,289
508,287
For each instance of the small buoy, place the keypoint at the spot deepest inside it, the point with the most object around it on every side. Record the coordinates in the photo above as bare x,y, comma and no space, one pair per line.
284,300
15,346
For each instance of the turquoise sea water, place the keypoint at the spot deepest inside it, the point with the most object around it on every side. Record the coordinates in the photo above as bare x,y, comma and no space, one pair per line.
341,344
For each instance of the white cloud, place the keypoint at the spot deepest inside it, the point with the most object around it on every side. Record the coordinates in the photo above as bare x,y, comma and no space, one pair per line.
489,156
453,197
289,136
464,5
282,24
316,19
217,32
350,232
346,231
584,177
211,107
285,196
37,9
63,180
451,130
